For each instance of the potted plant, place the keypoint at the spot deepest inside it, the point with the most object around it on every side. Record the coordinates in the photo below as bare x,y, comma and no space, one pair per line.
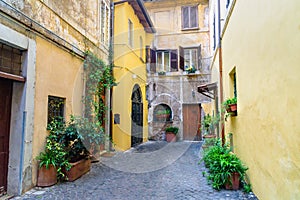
190,70
171,133
76,152
91,134
230,105
47,173
163,115
53,158
225,168
209,125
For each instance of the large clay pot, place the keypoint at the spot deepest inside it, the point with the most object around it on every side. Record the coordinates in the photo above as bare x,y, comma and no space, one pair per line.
47,177
233,182
78,169
170,137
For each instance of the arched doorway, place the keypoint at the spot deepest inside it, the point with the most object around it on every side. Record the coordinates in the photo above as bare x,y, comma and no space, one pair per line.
136,116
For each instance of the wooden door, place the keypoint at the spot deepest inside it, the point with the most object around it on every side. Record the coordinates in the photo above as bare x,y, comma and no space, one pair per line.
191,121
5,109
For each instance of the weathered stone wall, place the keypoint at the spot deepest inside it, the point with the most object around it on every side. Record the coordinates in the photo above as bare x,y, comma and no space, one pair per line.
173,91
76,22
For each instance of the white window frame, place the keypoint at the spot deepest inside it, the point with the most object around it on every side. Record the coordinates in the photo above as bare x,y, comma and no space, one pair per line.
189,17
104,22
161,67
191,58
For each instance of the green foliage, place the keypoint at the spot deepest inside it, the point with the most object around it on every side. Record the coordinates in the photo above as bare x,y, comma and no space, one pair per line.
221,163
90,131
98,78
73,144
172,129
247,187
210,123
210,141
54,152
162,112
229,101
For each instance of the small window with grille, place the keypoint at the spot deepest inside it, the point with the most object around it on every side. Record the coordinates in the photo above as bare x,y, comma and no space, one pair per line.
56,107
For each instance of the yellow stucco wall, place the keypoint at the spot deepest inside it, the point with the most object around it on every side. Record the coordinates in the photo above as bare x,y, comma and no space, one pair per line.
264,50
130,70
58,73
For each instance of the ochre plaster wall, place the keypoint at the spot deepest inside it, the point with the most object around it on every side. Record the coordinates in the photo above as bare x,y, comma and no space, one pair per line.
130,69
266,133
58,73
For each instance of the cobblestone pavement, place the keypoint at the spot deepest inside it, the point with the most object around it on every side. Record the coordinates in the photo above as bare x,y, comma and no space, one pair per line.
154,170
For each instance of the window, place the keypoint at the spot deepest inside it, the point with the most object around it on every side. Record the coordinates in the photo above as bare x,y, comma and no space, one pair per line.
166,60
10,60
163,61
56,107
189,16
130,33
104,20
190,57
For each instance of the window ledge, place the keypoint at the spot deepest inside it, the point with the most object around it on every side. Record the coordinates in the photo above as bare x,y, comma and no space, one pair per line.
190,29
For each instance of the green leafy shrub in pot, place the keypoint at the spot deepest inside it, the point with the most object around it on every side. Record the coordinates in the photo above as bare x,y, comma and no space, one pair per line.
172,129
222,163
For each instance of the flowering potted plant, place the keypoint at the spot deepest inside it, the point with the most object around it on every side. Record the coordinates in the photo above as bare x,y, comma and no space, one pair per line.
190,70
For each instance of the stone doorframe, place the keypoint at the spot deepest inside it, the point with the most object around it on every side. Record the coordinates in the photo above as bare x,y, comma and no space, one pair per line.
19,177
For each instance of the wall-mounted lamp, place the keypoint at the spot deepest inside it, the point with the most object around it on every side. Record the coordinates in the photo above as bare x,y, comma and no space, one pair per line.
193,93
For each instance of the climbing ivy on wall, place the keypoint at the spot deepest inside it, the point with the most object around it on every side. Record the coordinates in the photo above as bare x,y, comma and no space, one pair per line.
98,79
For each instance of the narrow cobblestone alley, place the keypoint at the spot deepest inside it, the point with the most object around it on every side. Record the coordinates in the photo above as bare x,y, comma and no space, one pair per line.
154,170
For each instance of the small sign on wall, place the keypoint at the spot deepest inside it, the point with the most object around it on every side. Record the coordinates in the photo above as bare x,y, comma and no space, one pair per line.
116,118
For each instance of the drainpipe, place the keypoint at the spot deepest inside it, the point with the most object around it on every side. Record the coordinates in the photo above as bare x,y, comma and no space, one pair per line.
22,153
111,54
221,70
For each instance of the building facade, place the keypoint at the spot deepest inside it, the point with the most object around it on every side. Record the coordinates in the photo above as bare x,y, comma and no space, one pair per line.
42,45
258,61
179,59
132,32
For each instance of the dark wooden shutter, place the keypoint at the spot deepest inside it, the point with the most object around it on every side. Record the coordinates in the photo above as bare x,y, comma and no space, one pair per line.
185,17
174,60
199,57
193,17
181,58
152,60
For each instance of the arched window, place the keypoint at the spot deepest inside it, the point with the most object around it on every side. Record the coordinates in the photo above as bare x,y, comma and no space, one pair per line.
162,113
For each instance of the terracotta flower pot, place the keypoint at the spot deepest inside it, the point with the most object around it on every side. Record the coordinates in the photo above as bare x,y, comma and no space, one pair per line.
170,137
209,136
233,107
47,177
233,182
78,169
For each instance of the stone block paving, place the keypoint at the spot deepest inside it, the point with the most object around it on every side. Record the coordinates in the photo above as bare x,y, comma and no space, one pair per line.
153,170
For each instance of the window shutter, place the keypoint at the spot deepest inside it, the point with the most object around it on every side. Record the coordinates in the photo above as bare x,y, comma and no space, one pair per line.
199,57
152,60
174,60
185,17
193,17
181,58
